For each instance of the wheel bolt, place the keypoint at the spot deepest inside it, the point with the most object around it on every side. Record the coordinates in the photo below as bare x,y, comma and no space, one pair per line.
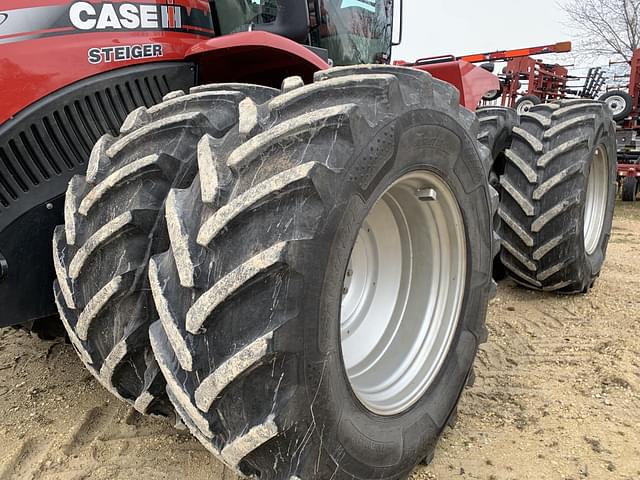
427,195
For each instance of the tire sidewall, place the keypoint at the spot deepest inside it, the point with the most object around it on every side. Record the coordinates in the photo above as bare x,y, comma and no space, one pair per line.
593,262
364,444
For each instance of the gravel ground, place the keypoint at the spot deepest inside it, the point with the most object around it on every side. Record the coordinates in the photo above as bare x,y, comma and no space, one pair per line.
557,396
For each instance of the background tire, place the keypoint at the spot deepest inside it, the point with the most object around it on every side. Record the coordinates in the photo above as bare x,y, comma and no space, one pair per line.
629,189
620,103
114,221
492,95
496,127
249,294
557,151
524,104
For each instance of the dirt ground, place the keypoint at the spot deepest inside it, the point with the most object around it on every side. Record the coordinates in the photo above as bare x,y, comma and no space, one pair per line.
557,396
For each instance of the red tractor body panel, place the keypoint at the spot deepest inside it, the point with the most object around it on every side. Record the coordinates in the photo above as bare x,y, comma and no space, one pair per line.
472,82
257,57
36,63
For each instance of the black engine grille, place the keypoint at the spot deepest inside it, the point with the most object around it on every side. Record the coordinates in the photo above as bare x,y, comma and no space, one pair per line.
49,142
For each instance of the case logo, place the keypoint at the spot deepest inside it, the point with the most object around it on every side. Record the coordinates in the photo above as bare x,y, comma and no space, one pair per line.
3,17
124,16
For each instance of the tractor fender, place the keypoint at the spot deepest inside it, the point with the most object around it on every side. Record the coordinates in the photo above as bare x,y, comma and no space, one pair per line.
253,57
472,82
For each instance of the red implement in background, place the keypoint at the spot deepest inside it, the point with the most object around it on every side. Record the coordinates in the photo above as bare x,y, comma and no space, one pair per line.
507,55
473,83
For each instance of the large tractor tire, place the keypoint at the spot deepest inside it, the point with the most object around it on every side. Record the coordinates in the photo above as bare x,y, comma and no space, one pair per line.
114,222
496,127
327,284
558,195
629,189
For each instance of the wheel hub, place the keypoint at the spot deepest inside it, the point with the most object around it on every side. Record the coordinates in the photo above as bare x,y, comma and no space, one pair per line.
596,201
402,293
525,106
616,103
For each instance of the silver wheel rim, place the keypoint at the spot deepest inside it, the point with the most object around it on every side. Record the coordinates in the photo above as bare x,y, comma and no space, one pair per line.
403,293
525,106
596,202
616,104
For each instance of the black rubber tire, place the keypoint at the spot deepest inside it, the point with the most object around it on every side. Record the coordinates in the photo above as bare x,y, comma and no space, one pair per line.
114,222
496,127
628,103
261,382
526,102
544,190
629,189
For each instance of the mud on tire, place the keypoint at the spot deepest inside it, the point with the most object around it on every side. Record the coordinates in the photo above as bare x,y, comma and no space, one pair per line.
554,234
496,127
249,293
114,221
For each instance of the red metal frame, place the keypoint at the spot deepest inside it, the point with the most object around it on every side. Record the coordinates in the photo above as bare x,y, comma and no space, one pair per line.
627,156
634,90
506,55
547,82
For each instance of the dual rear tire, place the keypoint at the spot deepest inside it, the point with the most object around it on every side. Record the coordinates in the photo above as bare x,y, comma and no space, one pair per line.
267,340
271,261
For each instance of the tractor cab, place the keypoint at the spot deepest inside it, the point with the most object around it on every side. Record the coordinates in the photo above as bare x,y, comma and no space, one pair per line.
349,31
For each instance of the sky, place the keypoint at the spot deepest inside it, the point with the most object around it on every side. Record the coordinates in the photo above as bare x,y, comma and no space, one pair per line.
459,27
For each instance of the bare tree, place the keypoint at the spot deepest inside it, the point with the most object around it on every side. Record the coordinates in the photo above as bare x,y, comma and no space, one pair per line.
605,27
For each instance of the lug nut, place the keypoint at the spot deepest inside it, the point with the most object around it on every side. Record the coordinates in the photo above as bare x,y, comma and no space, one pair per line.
427,195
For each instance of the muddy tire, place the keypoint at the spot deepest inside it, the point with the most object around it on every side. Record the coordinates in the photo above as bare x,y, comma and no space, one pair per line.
629,189
251,337
558,194
114,222
496,127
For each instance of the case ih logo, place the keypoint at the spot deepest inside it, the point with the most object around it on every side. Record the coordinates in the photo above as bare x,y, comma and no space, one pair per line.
124,16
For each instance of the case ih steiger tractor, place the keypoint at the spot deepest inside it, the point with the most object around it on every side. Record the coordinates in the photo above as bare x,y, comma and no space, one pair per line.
294,259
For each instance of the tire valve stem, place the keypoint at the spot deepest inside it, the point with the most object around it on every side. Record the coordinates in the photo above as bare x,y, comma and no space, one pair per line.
427,195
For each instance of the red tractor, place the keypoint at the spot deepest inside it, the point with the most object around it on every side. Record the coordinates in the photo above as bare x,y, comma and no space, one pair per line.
293,259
